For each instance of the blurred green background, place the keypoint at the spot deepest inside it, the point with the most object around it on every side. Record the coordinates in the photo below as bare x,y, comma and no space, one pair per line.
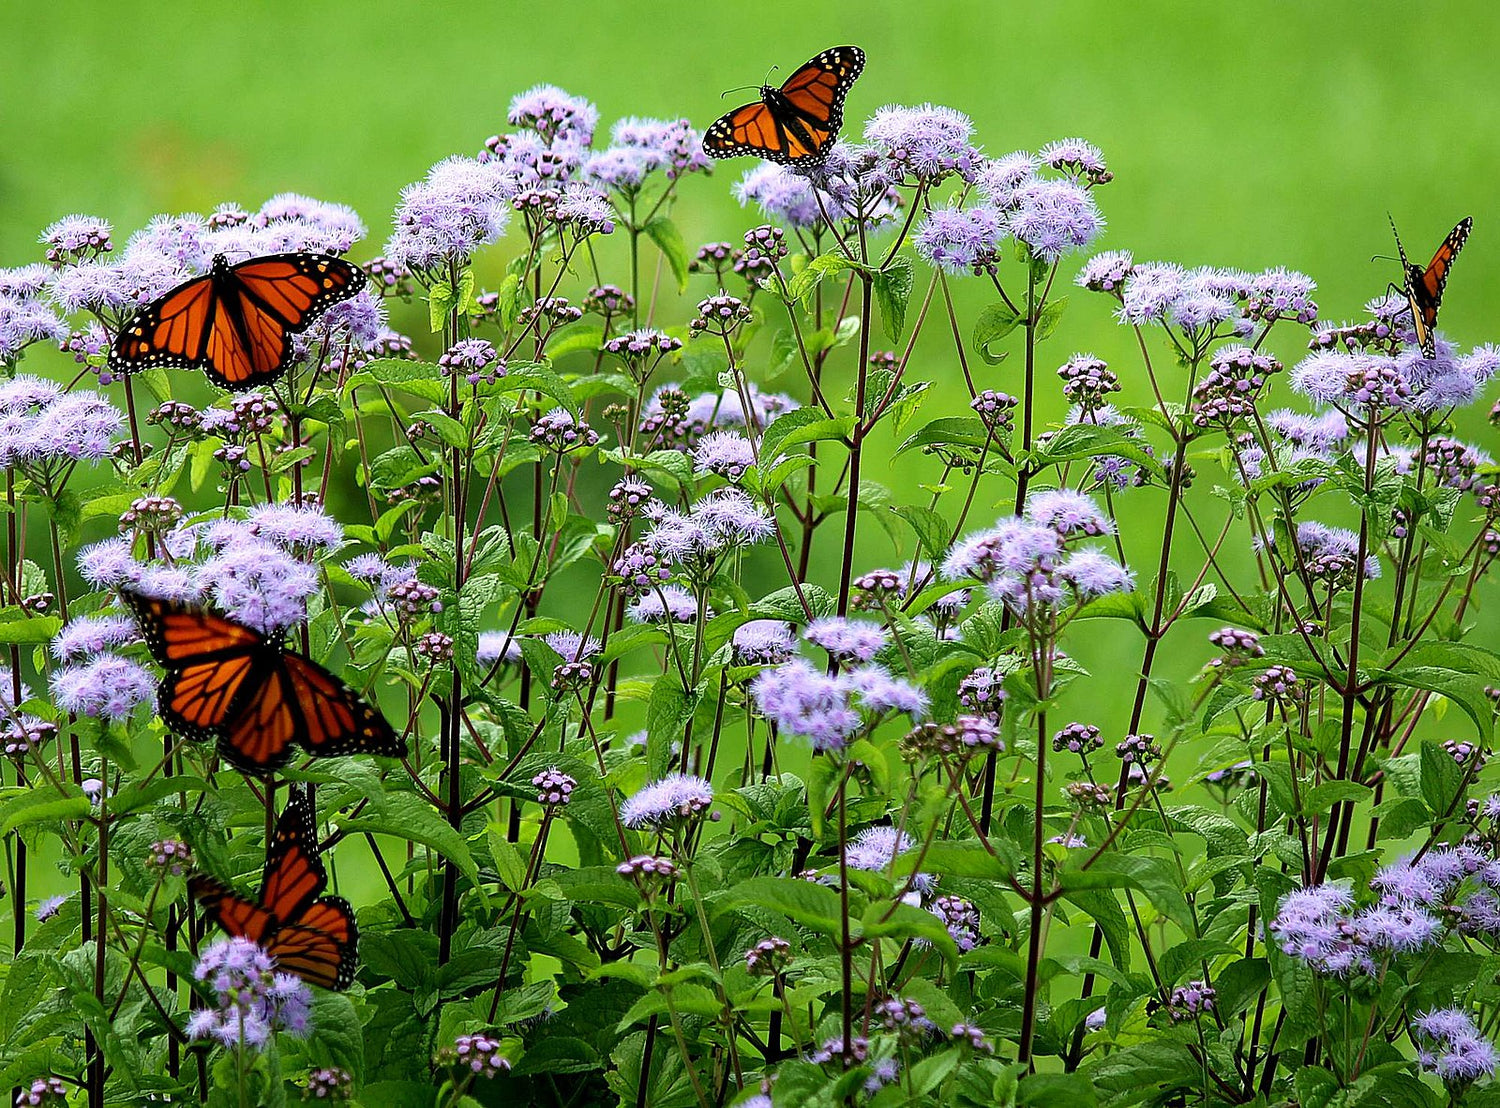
1248,135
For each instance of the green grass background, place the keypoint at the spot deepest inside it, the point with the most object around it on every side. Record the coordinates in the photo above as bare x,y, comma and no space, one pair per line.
1250,135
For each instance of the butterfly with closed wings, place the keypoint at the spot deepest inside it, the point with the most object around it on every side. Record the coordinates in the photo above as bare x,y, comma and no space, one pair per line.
304,932
236,321
229,682
1423,288
796,123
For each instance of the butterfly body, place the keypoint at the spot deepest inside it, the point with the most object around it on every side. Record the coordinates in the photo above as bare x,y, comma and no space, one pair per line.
1423,285
307,934
236,321
230,683
796,123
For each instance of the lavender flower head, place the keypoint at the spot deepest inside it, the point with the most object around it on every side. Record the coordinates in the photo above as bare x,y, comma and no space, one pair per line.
88,636
252,1000
961,240
461,205
678,796
1077,157
781,195
1068,513
1452,1047
554,114
1106,272
108,686
1053,218
763,642
25,318
256,583
807,702
847,639
302,532
925,143
667,604
876,849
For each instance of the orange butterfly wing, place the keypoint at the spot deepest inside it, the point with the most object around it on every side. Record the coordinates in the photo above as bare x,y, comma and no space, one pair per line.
235,324
797,123
225,681
1435,276
237,915
312,936
1424,287
336,719
170,332
209,660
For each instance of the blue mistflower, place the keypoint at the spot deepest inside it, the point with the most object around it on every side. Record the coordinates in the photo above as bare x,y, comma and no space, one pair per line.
253,1000
108,686
781,195
675,797
960,240
554,114
76,236
461,205
1054,217
925,143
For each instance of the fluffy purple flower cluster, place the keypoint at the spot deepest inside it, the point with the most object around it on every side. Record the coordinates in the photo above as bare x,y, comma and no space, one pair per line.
641,147
671,799
106,686
25,315
694,543
1451,1046
461,205
829,709
1415,906
667,422
44,431
1024,560
875,849
765,642
252,1000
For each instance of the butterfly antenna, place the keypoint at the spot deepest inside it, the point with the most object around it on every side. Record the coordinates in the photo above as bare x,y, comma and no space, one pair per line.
738,88
1399,248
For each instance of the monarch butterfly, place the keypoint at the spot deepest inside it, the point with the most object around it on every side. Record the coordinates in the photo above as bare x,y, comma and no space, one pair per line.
229,682
305,933
235,322
1423,288
796,123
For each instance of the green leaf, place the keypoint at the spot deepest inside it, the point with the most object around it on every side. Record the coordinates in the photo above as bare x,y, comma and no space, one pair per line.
29,630
443,299
1087,440
508,302
537,377
408,816
668,239
968,432
1047,322
801,287
801,425
399,467
931,528
801,902
893,292
39,804
666,713
338,1038
993,324
1442,780
1045,1090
